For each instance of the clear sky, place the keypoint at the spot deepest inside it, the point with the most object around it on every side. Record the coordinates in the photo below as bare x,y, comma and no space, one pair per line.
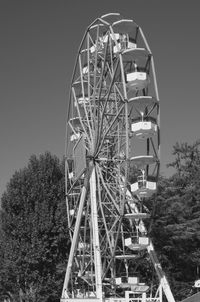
39,41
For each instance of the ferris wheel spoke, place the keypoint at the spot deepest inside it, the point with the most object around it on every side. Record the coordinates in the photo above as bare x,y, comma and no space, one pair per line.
89,122
103,216
107,189
79,114
108,129
109,89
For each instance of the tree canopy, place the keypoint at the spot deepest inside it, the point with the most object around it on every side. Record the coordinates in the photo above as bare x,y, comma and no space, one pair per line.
34,231
176,220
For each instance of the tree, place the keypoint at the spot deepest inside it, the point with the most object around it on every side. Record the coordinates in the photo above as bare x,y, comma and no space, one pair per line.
176,219
34,231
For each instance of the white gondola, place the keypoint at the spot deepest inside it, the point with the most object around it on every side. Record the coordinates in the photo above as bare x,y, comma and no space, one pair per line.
123,42
81,91
125,35
136,80
144,129
139,245
137,77
146,191
144,125
75,125
123,45
144,188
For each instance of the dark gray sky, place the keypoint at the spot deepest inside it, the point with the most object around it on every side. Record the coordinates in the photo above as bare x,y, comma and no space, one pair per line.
39,41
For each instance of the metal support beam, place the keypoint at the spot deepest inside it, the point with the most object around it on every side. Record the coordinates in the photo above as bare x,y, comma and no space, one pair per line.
162,278
74,241
95,233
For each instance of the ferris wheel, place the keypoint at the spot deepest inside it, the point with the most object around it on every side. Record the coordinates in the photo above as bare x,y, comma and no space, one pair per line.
112,166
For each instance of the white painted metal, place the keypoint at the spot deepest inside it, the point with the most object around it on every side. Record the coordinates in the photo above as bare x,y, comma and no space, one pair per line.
74,244
144,130
114,111
146,189
95,239
163,280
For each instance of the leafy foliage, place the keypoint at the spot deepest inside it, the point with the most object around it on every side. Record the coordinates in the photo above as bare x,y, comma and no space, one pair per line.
176,220
33,227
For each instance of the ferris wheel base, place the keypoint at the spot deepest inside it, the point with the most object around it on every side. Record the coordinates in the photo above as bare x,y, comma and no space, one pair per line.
116,299
80,299
112,299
